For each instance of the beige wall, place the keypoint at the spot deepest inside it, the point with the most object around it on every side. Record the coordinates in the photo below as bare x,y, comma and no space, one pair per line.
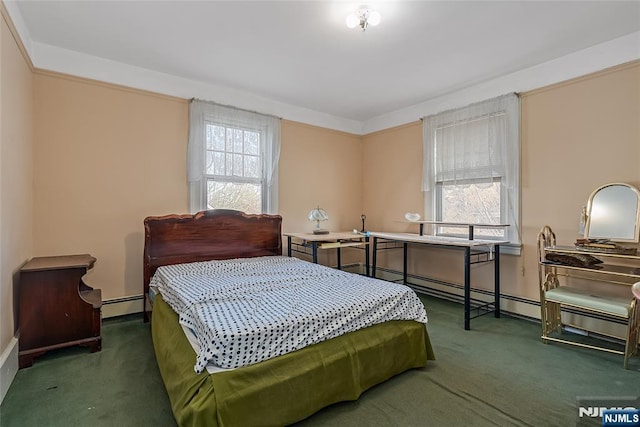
319,167
105,158
16,172
392,173
82,163
575,136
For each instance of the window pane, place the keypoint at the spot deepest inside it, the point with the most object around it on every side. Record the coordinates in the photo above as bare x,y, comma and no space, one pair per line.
237,140
228,195
471,203
251,169
218,138
251,143
233,153
214,137
218,164
215,163
208,135
237,165
209,167
228,165
229,140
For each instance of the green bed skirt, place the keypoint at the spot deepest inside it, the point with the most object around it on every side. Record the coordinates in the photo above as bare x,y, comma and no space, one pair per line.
287,388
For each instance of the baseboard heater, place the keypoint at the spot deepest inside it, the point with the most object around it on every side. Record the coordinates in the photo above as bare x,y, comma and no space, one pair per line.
122,299
459,298
122,306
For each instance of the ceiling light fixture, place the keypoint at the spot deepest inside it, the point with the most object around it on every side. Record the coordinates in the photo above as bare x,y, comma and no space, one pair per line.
363,17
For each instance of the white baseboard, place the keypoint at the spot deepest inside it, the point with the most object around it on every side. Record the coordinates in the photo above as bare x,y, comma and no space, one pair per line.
122,306
8,367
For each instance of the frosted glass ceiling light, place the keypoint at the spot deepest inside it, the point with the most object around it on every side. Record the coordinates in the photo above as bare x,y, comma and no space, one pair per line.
352,20
363,17
374,17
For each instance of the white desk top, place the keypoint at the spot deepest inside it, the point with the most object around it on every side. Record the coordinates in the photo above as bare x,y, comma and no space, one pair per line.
437,240
460,224
329,237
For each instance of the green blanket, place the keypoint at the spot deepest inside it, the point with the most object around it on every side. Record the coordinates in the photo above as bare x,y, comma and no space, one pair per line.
287,388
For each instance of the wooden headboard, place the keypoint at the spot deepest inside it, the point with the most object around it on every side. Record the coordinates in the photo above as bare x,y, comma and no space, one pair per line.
207,235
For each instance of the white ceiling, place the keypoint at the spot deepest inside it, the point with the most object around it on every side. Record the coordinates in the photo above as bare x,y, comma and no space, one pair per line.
301,53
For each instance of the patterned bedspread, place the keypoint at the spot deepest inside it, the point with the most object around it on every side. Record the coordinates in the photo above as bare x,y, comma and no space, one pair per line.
247,310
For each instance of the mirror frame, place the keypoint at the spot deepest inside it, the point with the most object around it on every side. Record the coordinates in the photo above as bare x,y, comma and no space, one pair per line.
636,236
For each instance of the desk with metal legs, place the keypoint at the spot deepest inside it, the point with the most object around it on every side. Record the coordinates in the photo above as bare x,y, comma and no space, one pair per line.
475,251
332,240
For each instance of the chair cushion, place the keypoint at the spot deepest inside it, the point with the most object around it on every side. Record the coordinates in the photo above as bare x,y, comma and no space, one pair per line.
610,304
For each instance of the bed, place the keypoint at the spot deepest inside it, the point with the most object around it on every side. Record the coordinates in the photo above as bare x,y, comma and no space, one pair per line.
283,389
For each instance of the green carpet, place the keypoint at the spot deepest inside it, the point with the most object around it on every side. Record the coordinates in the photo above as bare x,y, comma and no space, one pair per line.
499,373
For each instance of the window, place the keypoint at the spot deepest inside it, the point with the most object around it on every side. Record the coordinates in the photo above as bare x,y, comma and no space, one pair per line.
470,202
233,159
471,167
233,171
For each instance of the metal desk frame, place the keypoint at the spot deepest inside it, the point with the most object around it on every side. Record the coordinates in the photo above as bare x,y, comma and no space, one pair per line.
336,240
472,249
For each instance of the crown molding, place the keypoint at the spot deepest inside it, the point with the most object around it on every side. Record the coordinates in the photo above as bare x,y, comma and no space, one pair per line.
46,57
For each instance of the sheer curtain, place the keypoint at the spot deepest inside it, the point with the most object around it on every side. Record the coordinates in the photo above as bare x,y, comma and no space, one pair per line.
203,112
480,143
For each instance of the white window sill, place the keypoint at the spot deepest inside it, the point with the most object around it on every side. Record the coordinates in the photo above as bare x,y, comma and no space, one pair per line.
511,249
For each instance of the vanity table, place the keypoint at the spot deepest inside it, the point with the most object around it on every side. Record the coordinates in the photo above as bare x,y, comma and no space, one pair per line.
597,259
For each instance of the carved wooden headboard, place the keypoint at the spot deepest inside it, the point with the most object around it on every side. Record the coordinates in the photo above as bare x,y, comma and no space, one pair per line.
207,235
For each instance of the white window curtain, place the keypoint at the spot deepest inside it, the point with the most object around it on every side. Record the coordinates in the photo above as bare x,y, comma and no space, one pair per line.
479,142
203,112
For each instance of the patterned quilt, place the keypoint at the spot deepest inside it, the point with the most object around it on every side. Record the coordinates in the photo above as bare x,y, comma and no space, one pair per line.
246,310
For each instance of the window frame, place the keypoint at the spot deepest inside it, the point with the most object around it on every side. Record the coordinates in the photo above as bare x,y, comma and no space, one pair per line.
234,179
465,233
507,169
202,113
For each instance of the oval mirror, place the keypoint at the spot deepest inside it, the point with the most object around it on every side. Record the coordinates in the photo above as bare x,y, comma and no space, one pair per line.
613,213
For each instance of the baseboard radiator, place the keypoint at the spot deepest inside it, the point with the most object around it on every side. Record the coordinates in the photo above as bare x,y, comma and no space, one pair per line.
510,305
122,306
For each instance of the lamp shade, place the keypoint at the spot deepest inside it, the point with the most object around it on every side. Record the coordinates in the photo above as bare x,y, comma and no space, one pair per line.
318,214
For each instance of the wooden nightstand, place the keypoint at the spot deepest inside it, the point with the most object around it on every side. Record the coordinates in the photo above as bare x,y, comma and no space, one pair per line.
56,308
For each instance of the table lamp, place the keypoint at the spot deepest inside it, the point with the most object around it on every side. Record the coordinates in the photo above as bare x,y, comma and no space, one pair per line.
318,214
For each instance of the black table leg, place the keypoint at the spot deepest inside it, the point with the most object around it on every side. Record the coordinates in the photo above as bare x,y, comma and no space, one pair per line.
339,259
366,255
314,250
288,246
404,262
467,288
496,280
375,257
